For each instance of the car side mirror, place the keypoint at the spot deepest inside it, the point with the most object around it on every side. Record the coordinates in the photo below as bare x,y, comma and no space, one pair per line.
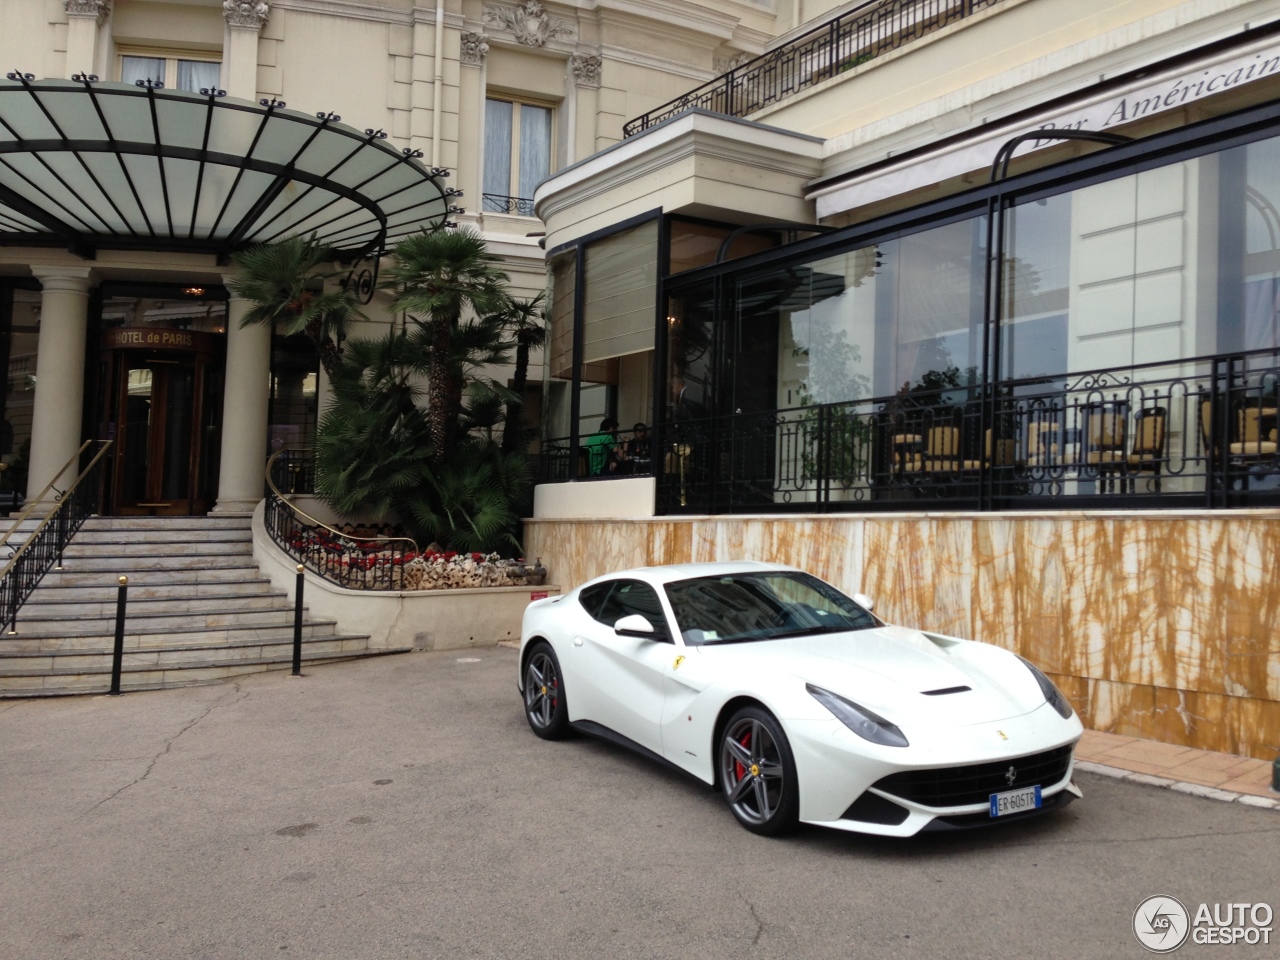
634,625
862,600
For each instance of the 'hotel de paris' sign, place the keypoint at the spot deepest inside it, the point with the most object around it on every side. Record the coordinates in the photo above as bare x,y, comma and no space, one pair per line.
158,338
1149,96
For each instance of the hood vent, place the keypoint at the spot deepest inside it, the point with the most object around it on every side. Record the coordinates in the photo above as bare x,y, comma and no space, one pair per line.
944,691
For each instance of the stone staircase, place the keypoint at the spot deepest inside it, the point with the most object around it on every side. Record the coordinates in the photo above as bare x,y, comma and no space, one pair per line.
199,610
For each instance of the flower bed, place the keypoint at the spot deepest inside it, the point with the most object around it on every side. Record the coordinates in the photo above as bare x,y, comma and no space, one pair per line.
388,566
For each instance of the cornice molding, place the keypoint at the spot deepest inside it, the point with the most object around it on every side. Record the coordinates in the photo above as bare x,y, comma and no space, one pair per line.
371,13
649,61
695,134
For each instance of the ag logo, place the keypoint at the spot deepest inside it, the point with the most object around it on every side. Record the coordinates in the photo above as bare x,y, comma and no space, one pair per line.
1161,924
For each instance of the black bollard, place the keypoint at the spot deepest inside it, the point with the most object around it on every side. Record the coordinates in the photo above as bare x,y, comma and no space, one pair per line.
117,654
297,623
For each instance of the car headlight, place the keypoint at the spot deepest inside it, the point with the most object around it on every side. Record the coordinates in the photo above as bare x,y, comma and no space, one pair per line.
1051,693
863,722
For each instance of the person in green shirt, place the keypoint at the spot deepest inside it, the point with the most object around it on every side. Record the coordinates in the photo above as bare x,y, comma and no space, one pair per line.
602,448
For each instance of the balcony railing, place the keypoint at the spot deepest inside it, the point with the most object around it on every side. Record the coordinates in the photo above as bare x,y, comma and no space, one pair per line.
497,203
1200,432
850,40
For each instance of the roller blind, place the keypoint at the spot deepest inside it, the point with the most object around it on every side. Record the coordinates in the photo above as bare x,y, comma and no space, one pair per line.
621,294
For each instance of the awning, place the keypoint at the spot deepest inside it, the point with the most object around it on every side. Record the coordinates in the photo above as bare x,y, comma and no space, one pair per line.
88,165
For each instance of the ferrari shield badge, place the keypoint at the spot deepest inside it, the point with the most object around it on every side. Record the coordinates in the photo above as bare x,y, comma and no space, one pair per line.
676,665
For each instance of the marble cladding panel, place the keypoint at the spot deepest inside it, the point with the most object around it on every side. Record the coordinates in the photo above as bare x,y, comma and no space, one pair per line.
1157,626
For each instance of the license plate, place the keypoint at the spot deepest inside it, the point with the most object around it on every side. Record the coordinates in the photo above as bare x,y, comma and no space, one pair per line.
1015,801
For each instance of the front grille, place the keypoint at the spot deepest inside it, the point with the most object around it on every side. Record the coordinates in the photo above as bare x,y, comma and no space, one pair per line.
974,783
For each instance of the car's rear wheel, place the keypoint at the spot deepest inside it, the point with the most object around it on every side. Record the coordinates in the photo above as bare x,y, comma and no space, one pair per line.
544,703
758,773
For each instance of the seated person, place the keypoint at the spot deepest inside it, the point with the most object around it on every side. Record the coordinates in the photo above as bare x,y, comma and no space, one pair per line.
602,449
637,454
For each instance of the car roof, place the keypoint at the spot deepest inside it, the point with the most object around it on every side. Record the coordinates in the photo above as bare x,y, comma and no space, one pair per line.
685,571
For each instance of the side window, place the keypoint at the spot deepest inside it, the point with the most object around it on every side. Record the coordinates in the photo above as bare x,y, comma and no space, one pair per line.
593,597
628,597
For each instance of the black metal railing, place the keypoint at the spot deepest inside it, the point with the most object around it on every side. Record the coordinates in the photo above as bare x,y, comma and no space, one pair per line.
294,472
357,562
857,36
1200,432
42,549
497,203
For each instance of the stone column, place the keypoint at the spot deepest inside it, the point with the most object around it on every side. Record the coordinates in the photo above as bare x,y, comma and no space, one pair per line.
245,398
84,17
244,19
59,399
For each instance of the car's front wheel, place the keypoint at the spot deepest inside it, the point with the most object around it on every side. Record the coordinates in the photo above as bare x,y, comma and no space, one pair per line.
544,704
758,773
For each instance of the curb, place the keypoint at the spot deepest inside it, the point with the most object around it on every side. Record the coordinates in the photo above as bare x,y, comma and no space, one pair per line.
1191,789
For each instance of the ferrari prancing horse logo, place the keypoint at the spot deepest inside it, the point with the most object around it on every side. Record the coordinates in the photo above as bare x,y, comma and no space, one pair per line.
1003,735
676,665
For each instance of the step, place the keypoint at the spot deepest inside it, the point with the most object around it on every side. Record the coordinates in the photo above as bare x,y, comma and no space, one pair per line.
94,571
144,621
227,525
176,549
164,537
174,655
163,679
47,644
144,587
99,576
38,609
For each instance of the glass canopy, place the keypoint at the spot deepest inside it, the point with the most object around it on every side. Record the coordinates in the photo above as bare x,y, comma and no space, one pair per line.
87,165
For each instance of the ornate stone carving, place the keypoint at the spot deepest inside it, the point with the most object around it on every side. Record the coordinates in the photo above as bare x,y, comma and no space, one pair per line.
475,47
245,13
586,69
98,9
725,64
529,22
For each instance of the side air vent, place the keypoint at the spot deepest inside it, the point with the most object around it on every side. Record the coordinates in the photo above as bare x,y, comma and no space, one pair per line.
873,808
942,692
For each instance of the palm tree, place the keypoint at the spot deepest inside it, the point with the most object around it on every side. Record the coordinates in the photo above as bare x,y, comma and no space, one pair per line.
524,318
437,276
278,278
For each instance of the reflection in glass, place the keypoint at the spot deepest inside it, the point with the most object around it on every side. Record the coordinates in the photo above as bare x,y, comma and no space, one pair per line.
1262,245
137,434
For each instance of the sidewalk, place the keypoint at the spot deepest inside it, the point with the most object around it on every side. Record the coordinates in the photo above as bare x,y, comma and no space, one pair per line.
1219,776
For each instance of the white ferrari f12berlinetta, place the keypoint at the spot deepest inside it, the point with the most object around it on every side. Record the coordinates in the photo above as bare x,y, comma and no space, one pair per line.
797,702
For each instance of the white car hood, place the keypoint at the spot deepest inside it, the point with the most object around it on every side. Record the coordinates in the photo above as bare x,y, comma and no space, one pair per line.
890,669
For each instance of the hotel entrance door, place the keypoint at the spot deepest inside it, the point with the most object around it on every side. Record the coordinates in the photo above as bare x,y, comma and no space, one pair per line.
164,402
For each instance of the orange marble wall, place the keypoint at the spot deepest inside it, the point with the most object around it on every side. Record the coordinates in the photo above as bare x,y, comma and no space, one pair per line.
1155,624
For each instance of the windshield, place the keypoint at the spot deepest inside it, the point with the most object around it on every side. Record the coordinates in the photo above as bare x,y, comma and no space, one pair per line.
761,606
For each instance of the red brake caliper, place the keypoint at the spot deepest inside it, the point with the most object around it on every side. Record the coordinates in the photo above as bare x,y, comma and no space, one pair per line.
738,769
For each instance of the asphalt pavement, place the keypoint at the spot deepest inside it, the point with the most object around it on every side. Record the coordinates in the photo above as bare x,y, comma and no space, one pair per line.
400,807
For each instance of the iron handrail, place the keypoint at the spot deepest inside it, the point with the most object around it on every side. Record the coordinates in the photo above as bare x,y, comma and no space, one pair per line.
271,484
34,502
16,584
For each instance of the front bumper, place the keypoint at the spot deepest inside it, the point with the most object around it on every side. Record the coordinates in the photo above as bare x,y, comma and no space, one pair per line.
836,768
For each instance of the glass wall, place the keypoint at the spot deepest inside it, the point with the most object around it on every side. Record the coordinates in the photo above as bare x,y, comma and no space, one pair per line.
1122,338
